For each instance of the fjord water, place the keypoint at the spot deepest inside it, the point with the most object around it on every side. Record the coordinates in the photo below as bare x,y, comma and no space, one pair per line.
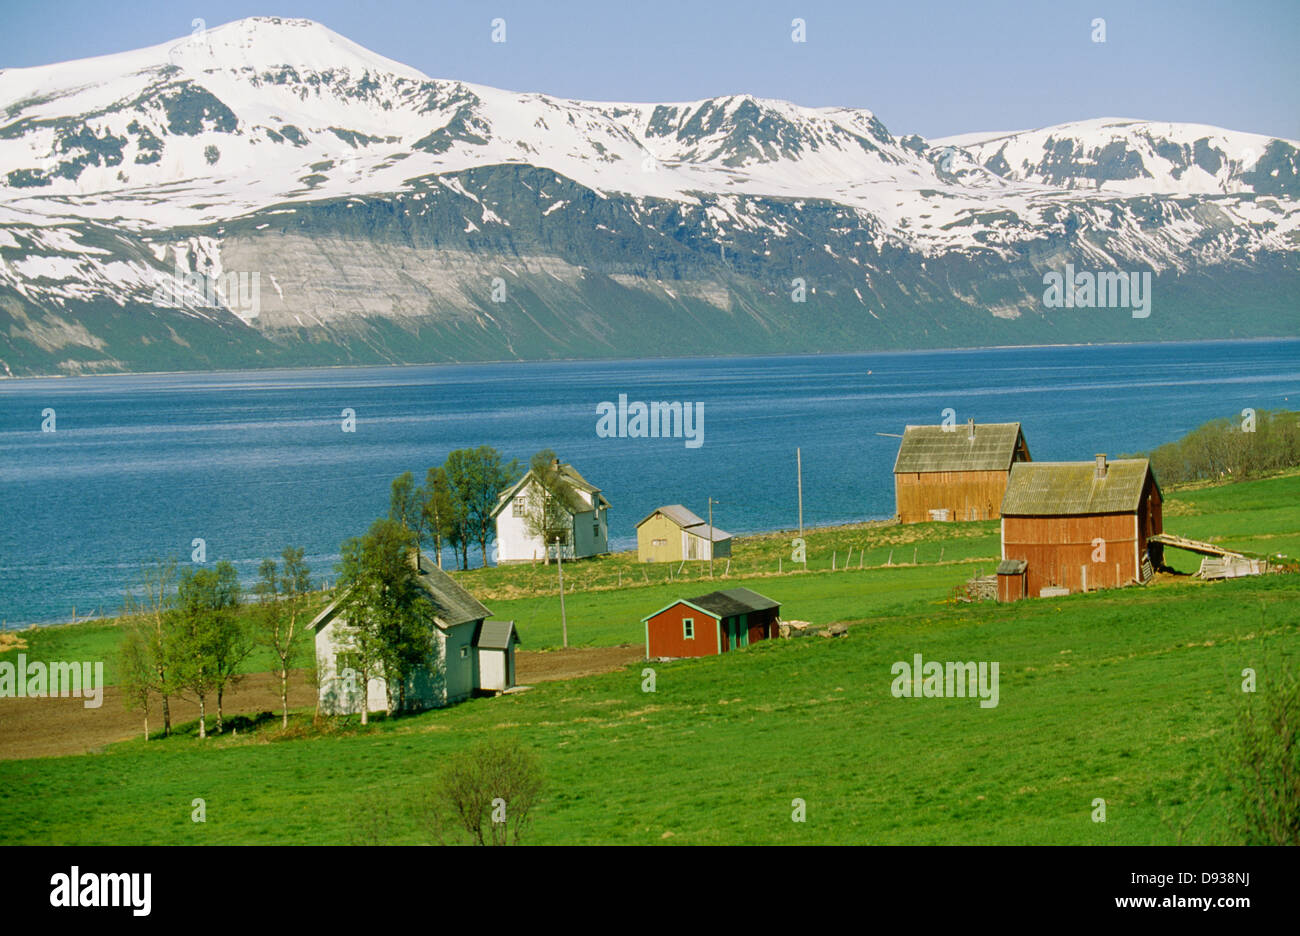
140,466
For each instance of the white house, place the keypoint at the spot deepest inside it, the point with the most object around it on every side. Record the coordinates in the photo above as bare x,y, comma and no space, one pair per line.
586,507
496,655
452,673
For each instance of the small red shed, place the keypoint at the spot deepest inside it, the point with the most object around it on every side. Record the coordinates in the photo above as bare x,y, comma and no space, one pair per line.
710,624
1011,579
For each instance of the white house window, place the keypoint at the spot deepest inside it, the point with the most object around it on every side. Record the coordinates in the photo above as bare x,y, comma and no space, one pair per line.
688,628
518,510
595,528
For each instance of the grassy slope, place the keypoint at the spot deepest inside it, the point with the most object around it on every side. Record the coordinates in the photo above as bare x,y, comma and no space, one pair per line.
1117,694
1114,695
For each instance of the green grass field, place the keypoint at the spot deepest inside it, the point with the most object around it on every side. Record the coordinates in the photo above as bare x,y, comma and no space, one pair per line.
1125,695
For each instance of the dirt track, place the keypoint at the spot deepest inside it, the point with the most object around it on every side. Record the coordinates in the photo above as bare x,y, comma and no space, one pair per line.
52,727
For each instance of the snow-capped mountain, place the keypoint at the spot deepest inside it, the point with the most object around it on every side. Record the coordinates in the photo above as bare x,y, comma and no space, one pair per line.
360,210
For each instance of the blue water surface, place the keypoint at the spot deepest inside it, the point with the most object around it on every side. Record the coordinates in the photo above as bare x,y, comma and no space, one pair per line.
139,466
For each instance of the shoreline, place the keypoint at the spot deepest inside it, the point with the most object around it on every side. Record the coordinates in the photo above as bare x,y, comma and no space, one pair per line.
4,378
21,627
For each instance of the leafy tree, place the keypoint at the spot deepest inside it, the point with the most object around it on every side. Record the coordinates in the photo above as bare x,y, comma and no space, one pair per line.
138,672
283,596
488,792
437,512
151,633
389,622
490,476
404,503
546,511
211,641
1241,447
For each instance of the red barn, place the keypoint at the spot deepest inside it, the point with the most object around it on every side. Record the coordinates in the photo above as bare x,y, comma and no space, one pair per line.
1079,525
710,624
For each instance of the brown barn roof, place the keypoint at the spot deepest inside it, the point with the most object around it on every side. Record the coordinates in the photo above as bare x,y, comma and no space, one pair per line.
991,447
1039,489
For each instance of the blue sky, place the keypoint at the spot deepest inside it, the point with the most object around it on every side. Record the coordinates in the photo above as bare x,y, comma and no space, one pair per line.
933,68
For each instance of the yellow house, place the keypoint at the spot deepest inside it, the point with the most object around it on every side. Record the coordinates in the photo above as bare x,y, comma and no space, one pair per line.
673,533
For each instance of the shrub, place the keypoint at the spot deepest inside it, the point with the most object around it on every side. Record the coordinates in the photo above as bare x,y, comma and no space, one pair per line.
486,792
1262,766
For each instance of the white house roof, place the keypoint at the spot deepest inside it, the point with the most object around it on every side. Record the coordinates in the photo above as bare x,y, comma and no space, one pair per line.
572,482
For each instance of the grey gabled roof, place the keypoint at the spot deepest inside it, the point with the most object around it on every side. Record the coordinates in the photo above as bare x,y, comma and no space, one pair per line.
676,513
452,604
687,520
573,482
1043,489
733,601
702,531
934,448
497,635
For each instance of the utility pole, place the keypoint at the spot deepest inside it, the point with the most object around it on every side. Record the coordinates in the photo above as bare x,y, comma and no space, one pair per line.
798,460
711,503
564,620
558,537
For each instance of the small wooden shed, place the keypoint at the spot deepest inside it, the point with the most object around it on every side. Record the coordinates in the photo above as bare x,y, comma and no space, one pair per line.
1082,525
955,472
1011,579
672,533
496,642
716,623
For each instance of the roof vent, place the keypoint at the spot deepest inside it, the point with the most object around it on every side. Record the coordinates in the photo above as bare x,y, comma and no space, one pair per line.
1101,466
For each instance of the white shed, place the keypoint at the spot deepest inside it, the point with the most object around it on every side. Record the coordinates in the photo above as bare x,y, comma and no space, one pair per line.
496,655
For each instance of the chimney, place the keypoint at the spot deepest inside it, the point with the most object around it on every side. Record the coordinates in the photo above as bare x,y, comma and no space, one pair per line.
1101,466
970,425
555,464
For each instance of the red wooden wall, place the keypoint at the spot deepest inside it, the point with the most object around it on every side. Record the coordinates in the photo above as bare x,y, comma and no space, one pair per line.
664,634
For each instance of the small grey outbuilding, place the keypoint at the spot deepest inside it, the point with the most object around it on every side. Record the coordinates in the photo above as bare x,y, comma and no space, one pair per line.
496,642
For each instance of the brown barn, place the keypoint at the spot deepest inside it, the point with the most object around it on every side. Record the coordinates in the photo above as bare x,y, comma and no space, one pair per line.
710,624
955,472
1080,525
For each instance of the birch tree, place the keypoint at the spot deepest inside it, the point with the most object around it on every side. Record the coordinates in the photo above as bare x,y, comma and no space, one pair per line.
436,510
546,511
151,634
284,599
210,642
390,626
